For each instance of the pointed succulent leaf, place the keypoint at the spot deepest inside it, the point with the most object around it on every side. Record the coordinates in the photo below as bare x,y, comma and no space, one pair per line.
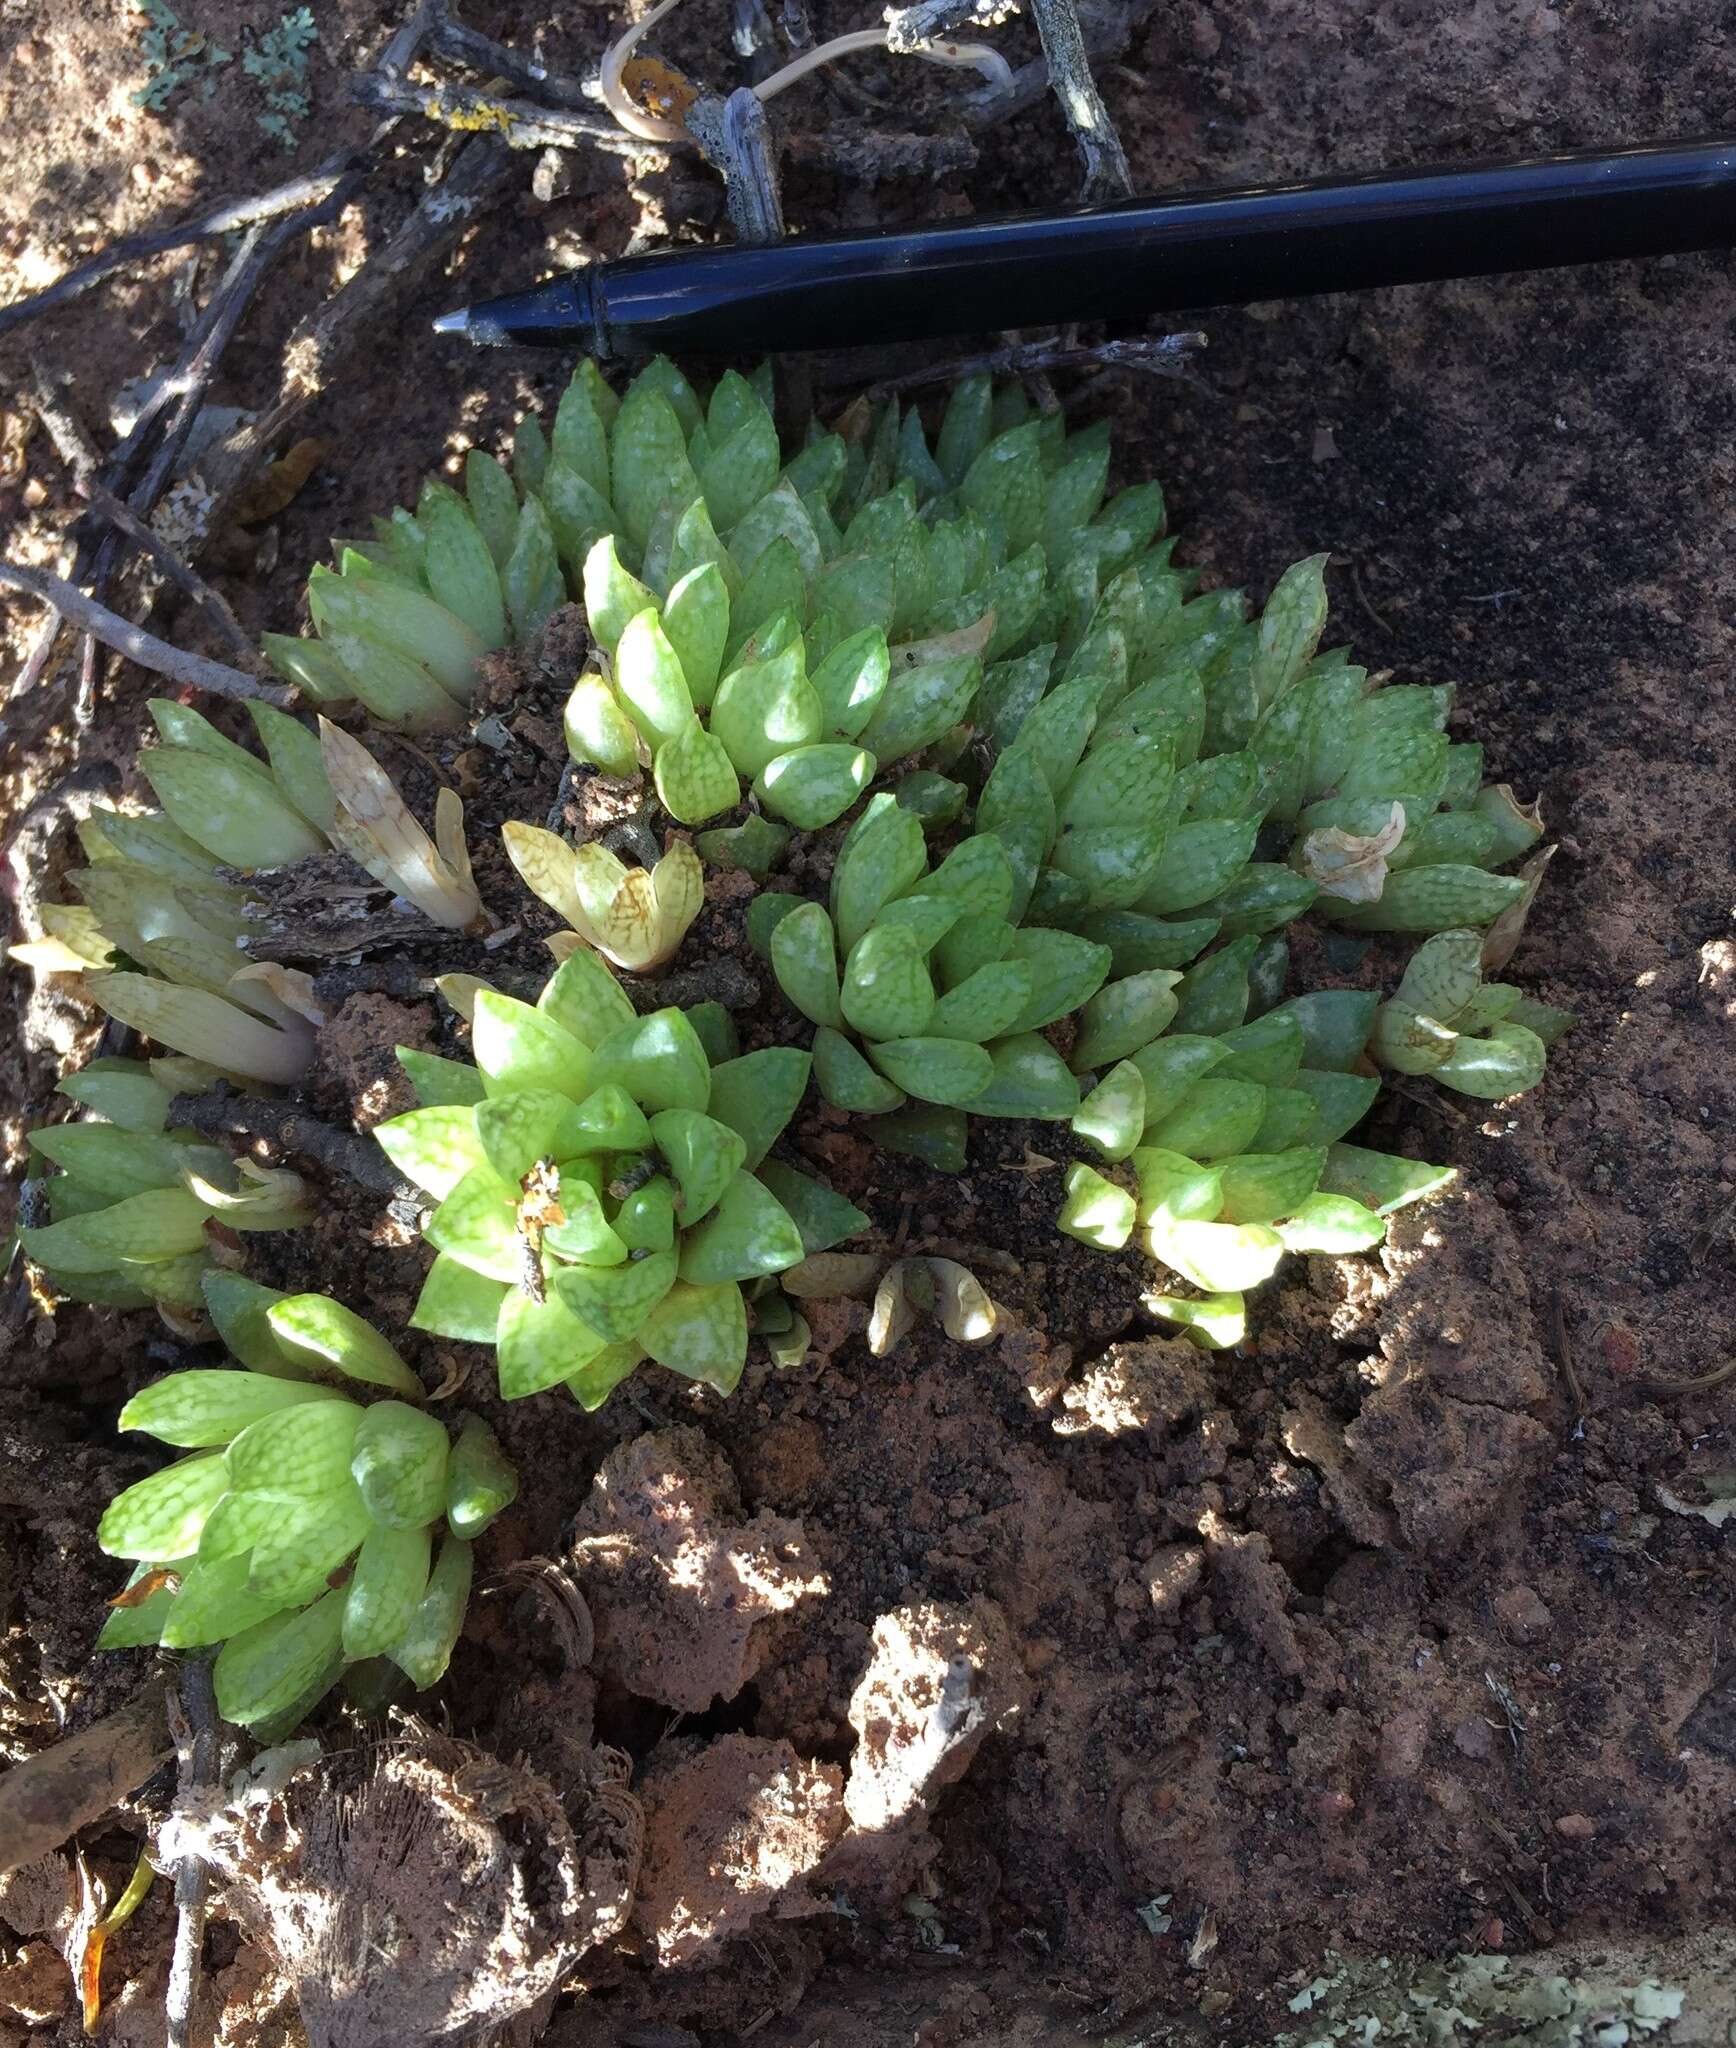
297,768
822,1216
582,1231
847,1081
696,622
238,1307
1259,1187
163,1223
302,1451
882,855
702,1153
1200,859
1460,838
434,1147
458,1302
1174,1188
947,1071
585,999
1215,1119
850,682
1408,1042
1138,943
539,1344
757,1094
1096,1210
425,1649
195,1410
1215,1322
919,705
461,571
598,731
1029,1079
647,461
1331,1223
1433,899
1122,1017
1219,1258
1340,1101
240,818
649,680
493,501
814,785
659,1060
615,1300
1269,1050
1443,975
476,1226
613,595
480,1480
1018,810
1112,1116
1213,997
1379,1180
517,1047
645,1221
531,582
385,1589
122,1092
756,846
1290,628
1066,972
974,941
1263,897
986,1004
764,708
695,776
699,1332
422,630
214,1603
270,1668
160,1518
1509,1060
805,961
886,991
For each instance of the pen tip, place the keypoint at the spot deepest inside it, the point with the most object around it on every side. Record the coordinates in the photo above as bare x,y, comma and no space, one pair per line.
453,323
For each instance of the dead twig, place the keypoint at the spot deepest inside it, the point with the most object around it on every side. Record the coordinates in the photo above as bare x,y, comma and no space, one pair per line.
909,28
225,218
71,438
1361,595
520,124
181,574
224,1114
1105,30
194,671
199,1746
1106,173
735,137
461,44
320,343
50,1796
1563,1343
1699,1384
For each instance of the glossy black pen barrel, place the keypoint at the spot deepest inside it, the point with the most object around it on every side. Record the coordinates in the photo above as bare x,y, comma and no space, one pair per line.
1139,257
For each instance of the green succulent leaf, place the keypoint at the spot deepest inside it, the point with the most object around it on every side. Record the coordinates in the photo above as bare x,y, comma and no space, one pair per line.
399,1464
615,1300
1096,1210
440,1082
480,1481
1259,1187
160,1518
321,1336
458,1302
702,1153
1029,1079
695,776
846,1079
749,1233
886,991
539,1344
822,1216
1379,1180
757,1094
272,1666
699,1332
805,961
425,1649
1112,1117
928,1132
435,1147
1066,972
1331,1223
883,854
813,786
658,1060
1122,1017
1215,1119
948,1071
195,1410
385,1589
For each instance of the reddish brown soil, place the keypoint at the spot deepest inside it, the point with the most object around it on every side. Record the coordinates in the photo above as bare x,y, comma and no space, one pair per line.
1375,1635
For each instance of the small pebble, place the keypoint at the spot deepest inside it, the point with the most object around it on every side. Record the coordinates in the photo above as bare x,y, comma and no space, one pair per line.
1521,1612
1576,1827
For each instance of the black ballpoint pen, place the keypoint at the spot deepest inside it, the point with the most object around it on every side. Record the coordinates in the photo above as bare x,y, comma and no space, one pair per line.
1137,257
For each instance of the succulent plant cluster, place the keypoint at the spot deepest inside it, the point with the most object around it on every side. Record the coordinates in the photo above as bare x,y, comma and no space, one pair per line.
301,1532
604,1194
163,915
1102,794
129,1206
